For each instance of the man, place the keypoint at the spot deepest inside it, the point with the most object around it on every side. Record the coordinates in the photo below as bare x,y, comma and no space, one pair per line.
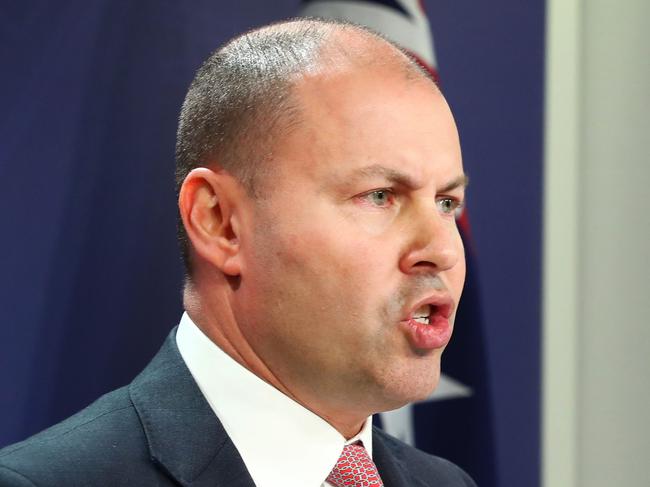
319,172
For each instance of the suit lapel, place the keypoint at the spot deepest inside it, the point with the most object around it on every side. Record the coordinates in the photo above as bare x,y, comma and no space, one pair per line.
185,437
391,467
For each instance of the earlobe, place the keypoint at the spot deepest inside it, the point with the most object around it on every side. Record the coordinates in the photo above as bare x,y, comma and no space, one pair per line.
206,202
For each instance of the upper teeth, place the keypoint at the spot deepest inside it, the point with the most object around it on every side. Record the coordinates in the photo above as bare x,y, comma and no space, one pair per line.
421,314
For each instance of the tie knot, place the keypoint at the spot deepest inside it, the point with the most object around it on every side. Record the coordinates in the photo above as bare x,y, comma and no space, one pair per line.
355,468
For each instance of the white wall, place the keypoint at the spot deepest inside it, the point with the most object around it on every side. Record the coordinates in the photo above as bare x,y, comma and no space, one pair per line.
597,241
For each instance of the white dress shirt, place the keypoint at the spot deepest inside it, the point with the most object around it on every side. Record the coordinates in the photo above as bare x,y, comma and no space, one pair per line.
282,443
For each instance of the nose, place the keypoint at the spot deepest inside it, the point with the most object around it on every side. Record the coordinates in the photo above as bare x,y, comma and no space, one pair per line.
433,242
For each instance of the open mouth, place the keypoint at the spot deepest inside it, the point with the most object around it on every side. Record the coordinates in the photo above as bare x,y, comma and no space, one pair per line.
427,313
423,314
428,326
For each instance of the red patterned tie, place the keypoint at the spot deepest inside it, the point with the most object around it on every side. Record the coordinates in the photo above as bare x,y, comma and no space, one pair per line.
355,468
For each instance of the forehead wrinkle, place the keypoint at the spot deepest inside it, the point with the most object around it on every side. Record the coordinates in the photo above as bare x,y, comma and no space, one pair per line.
374,170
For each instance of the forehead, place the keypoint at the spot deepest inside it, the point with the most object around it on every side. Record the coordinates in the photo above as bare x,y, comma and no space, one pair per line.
357,116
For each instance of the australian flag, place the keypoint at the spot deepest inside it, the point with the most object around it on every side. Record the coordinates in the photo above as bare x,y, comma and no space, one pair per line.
455,422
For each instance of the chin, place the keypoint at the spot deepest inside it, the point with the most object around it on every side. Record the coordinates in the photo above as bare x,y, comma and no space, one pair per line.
410,387
426,389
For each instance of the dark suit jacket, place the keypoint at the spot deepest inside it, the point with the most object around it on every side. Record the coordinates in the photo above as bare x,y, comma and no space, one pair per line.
159,430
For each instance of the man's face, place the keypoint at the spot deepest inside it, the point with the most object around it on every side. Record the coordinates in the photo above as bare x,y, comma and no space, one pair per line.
353,264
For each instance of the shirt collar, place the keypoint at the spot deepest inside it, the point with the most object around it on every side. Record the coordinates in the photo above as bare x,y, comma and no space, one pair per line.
280,441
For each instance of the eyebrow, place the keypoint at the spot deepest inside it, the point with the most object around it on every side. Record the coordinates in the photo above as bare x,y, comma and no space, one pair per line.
460,181
398,177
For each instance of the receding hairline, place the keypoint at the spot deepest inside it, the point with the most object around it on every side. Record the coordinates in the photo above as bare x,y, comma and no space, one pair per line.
336,45
347,45
345,48
339,46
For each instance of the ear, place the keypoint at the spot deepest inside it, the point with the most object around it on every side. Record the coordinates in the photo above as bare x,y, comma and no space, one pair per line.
207,202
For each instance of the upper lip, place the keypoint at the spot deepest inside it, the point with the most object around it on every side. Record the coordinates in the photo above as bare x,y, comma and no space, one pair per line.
441,300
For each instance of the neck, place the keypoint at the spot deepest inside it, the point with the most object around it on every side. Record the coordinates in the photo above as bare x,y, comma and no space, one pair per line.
212,312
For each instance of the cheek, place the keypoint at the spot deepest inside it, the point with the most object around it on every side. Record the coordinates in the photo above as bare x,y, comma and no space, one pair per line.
370,225
324,256
324,241
327,275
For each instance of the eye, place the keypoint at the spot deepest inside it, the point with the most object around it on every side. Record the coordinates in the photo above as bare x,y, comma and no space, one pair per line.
449,206
381,198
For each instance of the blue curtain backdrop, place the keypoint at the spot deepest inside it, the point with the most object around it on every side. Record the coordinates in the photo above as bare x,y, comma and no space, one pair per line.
90,278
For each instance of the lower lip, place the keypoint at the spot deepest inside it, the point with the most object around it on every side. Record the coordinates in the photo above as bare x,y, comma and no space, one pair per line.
430,336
